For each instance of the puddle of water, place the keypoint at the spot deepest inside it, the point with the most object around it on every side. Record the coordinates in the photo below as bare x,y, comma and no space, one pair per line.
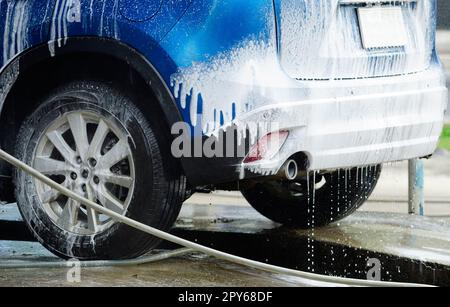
295,252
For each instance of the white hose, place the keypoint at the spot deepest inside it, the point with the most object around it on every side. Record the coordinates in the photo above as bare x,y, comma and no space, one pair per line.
191,245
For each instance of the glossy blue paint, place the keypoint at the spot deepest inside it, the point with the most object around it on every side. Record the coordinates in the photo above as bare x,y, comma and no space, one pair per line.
18,36
211,27
139,10
170,34
139,23
214,27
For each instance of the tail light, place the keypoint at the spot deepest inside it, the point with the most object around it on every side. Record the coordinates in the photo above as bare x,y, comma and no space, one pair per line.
267,147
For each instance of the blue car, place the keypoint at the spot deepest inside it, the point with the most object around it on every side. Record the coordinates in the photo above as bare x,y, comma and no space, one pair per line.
134,104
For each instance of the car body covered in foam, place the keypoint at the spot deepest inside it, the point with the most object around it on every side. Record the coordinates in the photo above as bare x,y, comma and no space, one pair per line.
300,65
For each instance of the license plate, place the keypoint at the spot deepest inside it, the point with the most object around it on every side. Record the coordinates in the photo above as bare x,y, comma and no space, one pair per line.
382,27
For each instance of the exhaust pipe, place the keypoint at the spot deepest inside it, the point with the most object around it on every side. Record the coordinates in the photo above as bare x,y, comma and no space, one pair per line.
294,168
290,169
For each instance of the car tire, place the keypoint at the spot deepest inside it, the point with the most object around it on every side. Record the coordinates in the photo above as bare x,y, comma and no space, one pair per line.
314,202
147,185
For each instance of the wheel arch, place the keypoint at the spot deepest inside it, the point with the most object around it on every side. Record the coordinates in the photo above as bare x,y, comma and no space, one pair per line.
35,69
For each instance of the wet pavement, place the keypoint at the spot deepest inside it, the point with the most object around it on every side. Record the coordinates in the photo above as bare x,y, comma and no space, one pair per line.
409,249
194,270
191,270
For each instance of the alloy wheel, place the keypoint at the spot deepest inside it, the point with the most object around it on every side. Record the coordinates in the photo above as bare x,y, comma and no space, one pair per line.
89,154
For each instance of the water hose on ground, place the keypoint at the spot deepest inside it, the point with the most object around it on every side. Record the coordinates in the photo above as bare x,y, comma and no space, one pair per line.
191,245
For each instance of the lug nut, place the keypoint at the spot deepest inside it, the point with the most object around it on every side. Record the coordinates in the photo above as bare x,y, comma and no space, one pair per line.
93,162
79,160
83,187
96,180
85,174
73,176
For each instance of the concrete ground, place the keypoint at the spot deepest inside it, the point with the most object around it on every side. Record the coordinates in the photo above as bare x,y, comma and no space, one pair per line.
187,271
411,249
414,249
192,270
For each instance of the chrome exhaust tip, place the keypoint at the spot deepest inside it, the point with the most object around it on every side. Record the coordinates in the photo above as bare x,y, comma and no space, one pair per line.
291,170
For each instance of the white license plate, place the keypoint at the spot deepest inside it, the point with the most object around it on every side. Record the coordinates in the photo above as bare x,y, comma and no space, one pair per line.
382,27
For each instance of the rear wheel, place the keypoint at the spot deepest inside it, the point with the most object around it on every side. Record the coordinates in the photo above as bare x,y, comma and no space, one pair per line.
91,138
315,201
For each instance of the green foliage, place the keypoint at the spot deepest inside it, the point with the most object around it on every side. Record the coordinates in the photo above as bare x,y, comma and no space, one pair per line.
445,138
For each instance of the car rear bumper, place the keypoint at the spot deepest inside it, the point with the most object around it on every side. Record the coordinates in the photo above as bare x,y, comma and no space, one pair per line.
349,123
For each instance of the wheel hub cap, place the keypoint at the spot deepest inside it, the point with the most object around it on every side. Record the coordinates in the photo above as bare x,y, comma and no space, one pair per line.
90,155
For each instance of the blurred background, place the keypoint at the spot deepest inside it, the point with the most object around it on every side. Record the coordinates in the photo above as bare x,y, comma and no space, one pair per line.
391,193
444,13
443,41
